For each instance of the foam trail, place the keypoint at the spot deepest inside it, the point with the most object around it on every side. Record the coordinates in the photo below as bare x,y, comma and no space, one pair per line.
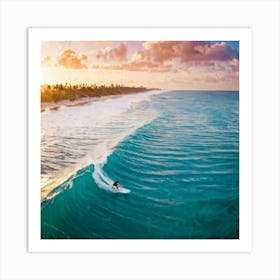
101,179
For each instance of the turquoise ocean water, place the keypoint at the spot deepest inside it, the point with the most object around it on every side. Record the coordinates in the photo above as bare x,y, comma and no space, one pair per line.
177,151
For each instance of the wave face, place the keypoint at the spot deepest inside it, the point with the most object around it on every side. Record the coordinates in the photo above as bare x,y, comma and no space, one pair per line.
177,152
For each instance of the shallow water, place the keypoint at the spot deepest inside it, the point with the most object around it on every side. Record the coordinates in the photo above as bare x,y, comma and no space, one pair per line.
177,151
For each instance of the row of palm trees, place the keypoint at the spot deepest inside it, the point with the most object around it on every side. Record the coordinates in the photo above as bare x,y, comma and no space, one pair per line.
58,92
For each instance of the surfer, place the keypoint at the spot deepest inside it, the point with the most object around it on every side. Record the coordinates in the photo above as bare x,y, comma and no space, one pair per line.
116,185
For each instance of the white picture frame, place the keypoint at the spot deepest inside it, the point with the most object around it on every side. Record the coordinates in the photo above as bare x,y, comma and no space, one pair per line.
262,262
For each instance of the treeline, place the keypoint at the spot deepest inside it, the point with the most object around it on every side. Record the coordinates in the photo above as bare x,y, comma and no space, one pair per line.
58,92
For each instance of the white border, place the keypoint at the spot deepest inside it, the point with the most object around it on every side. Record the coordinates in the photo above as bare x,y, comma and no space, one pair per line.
243,35
262,262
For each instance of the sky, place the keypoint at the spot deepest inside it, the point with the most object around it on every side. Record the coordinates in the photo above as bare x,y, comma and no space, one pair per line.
190,65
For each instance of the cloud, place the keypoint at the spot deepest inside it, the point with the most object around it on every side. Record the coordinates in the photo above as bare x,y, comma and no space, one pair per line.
110,53
189,51
164,56
234,64
70,59
199,57
140,61
46,61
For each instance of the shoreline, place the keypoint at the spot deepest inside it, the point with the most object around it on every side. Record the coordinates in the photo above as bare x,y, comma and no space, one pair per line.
55,106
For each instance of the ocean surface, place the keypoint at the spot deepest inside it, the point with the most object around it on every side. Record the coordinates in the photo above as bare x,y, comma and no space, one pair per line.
176,151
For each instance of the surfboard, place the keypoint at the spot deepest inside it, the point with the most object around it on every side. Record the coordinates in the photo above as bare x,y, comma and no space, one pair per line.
121,190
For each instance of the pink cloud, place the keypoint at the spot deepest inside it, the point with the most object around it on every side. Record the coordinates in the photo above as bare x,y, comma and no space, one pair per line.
140,61
71,59
161,56
110,53
188,51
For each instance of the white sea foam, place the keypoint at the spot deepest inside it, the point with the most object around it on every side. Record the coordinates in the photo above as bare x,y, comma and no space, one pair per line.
99,176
